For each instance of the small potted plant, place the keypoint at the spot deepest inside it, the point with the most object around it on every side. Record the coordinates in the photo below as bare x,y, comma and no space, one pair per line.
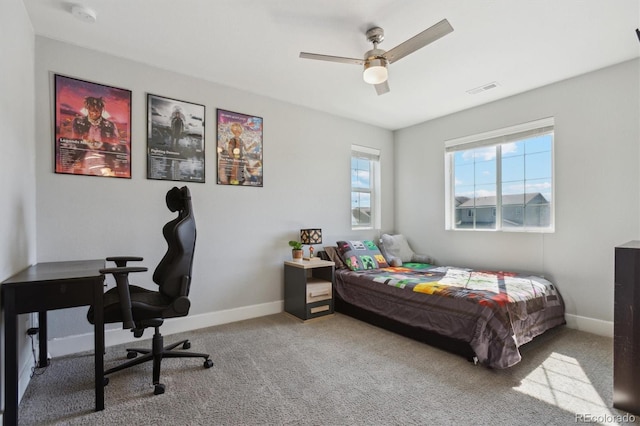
296,250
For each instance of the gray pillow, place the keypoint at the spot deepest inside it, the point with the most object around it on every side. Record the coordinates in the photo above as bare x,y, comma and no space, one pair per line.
420,258
397,246
397,250
395,261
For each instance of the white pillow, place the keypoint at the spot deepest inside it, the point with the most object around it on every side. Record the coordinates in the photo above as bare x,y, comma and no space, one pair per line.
397,246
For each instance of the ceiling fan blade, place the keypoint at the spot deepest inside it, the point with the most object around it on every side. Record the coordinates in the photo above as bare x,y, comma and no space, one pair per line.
416,42
382,88
340,59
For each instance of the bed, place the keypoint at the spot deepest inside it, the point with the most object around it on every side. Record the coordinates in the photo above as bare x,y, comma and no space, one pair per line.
482,315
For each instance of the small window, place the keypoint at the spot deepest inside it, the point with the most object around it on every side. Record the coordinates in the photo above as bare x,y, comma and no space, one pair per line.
502,180
365,188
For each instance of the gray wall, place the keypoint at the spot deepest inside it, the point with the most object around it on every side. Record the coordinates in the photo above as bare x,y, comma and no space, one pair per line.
17,216
596,182
242,232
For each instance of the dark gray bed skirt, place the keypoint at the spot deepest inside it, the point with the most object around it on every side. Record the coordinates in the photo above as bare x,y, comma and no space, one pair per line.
439,341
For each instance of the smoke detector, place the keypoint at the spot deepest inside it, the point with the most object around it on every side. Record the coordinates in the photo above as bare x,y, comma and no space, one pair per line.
84,13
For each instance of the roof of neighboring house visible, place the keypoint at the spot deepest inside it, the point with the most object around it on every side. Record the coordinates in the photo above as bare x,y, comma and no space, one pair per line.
461,200
510,199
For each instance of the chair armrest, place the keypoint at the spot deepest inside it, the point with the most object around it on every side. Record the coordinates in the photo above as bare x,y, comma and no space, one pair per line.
121,276
122,260
124,270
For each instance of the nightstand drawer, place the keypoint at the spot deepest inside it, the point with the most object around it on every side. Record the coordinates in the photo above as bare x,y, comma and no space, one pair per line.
319,309
318,290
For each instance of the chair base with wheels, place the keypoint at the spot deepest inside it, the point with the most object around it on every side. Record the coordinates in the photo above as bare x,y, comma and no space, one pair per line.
156,354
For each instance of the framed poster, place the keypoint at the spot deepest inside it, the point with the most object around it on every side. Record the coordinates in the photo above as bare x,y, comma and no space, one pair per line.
92,128
175,139
239,149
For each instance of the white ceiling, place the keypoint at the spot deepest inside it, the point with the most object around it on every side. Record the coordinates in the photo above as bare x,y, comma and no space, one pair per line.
254,45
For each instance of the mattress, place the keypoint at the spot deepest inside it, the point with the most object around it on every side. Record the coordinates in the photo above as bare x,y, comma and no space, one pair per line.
495,312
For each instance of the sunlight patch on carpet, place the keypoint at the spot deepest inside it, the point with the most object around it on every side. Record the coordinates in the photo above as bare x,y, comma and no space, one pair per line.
562,382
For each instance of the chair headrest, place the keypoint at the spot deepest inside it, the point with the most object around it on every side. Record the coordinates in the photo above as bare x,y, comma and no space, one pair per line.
177,198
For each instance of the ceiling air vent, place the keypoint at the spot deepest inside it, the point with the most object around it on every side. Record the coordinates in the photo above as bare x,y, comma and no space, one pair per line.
483,88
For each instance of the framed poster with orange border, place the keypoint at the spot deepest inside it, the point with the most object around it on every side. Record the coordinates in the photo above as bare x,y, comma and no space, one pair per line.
239,149
92,128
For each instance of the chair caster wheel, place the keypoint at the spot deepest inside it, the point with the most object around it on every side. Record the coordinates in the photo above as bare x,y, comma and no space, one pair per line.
105,381
208,363
132,354
158,389
186,345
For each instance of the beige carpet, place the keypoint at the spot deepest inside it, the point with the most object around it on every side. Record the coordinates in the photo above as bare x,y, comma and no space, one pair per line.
335,371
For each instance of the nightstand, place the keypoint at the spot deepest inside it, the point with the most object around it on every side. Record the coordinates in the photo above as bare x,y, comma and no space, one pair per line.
308,288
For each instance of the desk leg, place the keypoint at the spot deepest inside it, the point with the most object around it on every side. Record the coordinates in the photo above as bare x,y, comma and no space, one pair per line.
42,339
10,415
98,344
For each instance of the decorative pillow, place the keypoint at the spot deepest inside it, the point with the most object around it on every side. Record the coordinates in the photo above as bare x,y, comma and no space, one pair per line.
360,255
397,250
421,258
391,260
397,246
394,261
334,256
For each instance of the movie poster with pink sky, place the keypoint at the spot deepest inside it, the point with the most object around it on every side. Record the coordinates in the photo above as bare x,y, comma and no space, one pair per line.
93,128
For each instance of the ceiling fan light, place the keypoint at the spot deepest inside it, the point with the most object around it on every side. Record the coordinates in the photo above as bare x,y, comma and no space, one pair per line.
375,71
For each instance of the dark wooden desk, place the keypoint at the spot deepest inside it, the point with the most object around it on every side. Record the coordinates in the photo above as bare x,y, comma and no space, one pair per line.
41,288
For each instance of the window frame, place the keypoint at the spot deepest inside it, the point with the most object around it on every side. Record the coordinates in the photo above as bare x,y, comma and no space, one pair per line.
497,138
373,156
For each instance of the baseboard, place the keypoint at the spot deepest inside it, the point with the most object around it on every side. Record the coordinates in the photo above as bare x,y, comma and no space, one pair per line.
590,325
84,342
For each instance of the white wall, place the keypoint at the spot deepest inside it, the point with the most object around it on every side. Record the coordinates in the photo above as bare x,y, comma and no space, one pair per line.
242,231
17,164
596,181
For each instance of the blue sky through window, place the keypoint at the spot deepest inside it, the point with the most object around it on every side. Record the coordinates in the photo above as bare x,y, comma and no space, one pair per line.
360,179
526,168
360,191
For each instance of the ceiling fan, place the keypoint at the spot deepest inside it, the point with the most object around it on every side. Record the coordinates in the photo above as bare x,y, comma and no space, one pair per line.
376,60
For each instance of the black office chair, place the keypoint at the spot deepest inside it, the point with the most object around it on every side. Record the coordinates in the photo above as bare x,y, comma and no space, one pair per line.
138,308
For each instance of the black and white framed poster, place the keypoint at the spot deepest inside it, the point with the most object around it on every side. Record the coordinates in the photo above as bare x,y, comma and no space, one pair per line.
175,140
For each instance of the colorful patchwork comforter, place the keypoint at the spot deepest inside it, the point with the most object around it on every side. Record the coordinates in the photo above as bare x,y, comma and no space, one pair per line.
495,312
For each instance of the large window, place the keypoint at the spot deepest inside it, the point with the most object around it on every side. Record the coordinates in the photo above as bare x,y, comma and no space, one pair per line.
502,180
365,187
